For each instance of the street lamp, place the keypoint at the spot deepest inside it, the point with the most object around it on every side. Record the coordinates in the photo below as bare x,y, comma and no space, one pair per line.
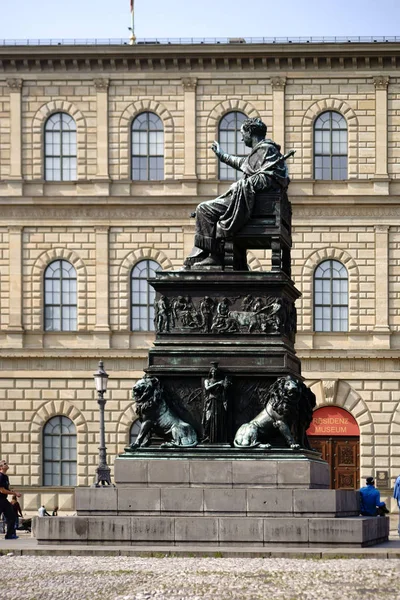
103,473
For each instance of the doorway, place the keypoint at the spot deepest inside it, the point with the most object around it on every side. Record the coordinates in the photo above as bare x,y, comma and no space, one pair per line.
334,432
343,456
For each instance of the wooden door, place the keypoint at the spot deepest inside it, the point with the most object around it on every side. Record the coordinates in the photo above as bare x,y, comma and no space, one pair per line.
346,458
343,456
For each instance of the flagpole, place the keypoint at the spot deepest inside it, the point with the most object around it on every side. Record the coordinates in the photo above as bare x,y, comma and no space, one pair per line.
132,39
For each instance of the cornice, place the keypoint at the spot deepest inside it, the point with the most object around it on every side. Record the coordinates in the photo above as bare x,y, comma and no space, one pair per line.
154,210
188,58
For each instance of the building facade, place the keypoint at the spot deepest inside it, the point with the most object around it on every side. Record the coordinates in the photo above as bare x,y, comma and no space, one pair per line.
105,151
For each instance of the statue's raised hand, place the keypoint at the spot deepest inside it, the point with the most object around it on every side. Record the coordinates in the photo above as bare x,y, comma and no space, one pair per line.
215,147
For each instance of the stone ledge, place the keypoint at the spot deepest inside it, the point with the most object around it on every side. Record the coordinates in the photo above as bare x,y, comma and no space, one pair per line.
255,531
229,467
196,501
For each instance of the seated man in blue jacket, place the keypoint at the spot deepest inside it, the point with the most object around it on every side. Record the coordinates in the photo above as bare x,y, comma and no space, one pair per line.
370,500
396,496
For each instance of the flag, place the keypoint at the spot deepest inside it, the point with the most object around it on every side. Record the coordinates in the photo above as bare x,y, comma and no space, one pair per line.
132,2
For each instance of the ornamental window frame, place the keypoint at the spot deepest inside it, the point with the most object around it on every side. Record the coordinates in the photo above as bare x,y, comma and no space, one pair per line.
324,300
326,147
66,477
64,314
68,161
152,149
146,315
235,147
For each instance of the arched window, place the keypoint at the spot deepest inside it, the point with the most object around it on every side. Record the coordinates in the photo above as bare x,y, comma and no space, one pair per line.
60,148
134,431
143,295
330,146
59,452
147,148
331,303
60,301
230,139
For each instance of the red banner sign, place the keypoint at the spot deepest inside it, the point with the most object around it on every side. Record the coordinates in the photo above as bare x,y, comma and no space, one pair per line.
331,421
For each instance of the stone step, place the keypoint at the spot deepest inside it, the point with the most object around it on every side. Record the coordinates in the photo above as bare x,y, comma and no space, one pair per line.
195,501
171,530
227,467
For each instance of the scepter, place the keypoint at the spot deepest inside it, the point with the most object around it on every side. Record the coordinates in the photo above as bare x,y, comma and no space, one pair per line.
277,161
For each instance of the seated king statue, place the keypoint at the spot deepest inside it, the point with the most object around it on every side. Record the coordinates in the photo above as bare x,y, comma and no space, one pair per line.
264,170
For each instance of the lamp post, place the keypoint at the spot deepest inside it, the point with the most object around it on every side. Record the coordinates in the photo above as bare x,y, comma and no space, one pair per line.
103,473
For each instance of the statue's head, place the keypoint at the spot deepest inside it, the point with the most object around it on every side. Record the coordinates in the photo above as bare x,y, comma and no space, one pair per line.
251,128
214,370
290,386
145,387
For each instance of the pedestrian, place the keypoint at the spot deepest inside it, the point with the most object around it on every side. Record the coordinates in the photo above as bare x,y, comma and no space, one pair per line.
55,512
5,506
396,495
370,500
42,512
17,509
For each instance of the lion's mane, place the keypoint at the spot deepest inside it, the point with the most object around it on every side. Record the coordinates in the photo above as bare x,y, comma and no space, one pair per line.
281,402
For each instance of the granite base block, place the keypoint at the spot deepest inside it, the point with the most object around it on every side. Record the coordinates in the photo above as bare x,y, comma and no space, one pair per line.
218,531
303,471
209,500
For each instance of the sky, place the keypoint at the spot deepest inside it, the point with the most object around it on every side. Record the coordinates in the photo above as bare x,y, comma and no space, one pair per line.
44,19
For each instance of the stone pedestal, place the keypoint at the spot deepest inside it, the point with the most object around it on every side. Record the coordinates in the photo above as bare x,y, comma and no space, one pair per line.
231,498
245,321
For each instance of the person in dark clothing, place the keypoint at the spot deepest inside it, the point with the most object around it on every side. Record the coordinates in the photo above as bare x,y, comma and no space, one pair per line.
370,500
5,506
17,509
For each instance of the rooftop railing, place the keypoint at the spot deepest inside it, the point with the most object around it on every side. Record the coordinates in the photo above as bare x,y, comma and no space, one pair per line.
194,41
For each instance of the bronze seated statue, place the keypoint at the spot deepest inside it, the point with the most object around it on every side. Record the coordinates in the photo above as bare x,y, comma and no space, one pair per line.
253,213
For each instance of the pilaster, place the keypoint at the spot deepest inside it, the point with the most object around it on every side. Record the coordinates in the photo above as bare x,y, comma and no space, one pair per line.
381,126
382,280
278,110
189,87
15,327
15,86
102,86
102,287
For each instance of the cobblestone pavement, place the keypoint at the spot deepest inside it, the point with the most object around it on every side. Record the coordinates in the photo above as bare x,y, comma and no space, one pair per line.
131,578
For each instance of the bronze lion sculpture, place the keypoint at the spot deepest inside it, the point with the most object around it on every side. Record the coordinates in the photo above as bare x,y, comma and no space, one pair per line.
158,417
289,405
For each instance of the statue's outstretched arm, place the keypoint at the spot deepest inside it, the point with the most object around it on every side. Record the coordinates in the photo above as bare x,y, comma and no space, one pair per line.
233,161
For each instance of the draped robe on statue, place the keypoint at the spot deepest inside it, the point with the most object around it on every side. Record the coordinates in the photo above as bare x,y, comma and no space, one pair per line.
227,214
